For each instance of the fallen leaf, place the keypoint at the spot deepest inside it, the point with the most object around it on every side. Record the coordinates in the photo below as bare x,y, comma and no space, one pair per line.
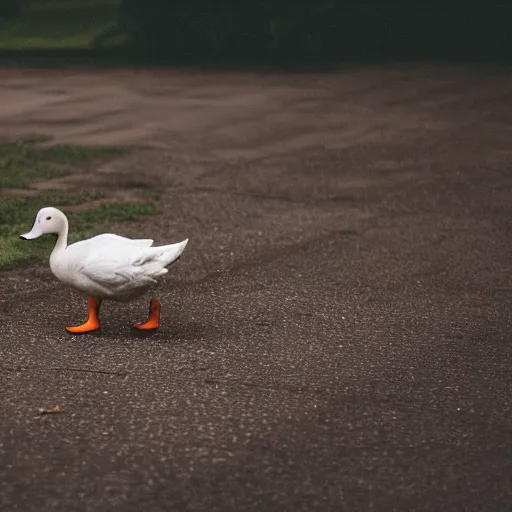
55,410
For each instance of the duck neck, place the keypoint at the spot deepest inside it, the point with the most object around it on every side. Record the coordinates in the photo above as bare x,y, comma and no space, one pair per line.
62,238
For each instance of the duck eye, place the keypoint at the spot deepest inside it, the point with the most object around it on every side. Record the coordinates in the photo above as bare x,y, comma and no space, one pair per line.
48,218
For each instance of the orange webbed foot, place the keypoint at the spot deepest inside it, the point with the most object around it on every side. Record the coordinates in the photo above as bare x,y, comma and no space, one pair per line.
153,321
93,322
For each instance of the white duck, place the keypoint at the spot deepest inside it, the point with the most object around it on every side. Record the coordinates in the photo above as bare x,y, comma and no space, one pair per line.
105,266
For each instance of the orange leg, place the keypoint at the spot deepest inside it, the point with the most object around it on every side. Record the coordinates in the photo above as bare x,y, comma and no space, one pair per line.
153,321
93,322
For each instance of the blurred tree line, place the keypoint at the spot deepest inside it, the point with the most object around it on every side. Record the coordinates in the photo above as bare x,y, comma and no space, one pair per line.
302,30
312,29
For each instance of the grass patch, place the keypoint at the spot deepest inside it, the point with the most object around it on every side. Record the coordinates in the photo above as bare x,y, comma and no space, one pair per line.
59,198
53,24
24,161
111,212
71,154
17,216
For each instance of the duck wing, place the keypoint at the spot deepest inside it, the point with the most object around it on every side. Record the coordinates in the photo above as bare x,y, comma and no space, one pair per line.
107,263
107,238
118,268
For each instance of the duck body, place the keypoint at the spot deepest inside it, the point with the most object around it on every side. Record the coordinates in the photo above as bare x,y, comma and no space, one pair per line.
113,267
105,266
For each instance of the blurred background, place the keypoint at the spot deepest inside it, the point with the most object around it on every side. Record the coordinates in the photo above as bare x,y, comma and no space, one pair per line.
263,32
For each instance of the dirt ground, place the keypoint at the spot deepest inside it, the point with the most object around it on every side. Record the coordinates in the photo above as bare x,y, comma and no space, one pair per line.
337,333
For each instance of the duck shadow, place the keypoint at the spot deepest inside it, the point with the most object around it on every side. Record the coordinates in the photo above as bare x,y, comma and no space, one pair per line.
121,326
182,331
185,332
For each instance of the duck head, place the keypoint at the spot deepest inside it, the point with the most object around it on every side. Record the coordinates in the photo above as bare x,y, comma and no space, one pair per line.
48,221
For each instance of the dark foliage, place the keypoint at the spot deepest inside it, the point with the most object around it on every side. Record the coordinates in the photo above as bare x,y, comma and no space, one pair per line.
10,9
330,30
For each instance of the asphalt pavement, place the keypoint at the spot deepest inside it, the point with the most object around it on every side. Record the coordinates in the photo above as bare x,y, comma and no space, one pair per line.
336,335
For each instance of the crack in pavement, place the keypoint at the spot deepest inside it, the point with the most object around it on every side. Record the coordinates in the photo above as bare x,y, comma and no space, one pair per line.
62,369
